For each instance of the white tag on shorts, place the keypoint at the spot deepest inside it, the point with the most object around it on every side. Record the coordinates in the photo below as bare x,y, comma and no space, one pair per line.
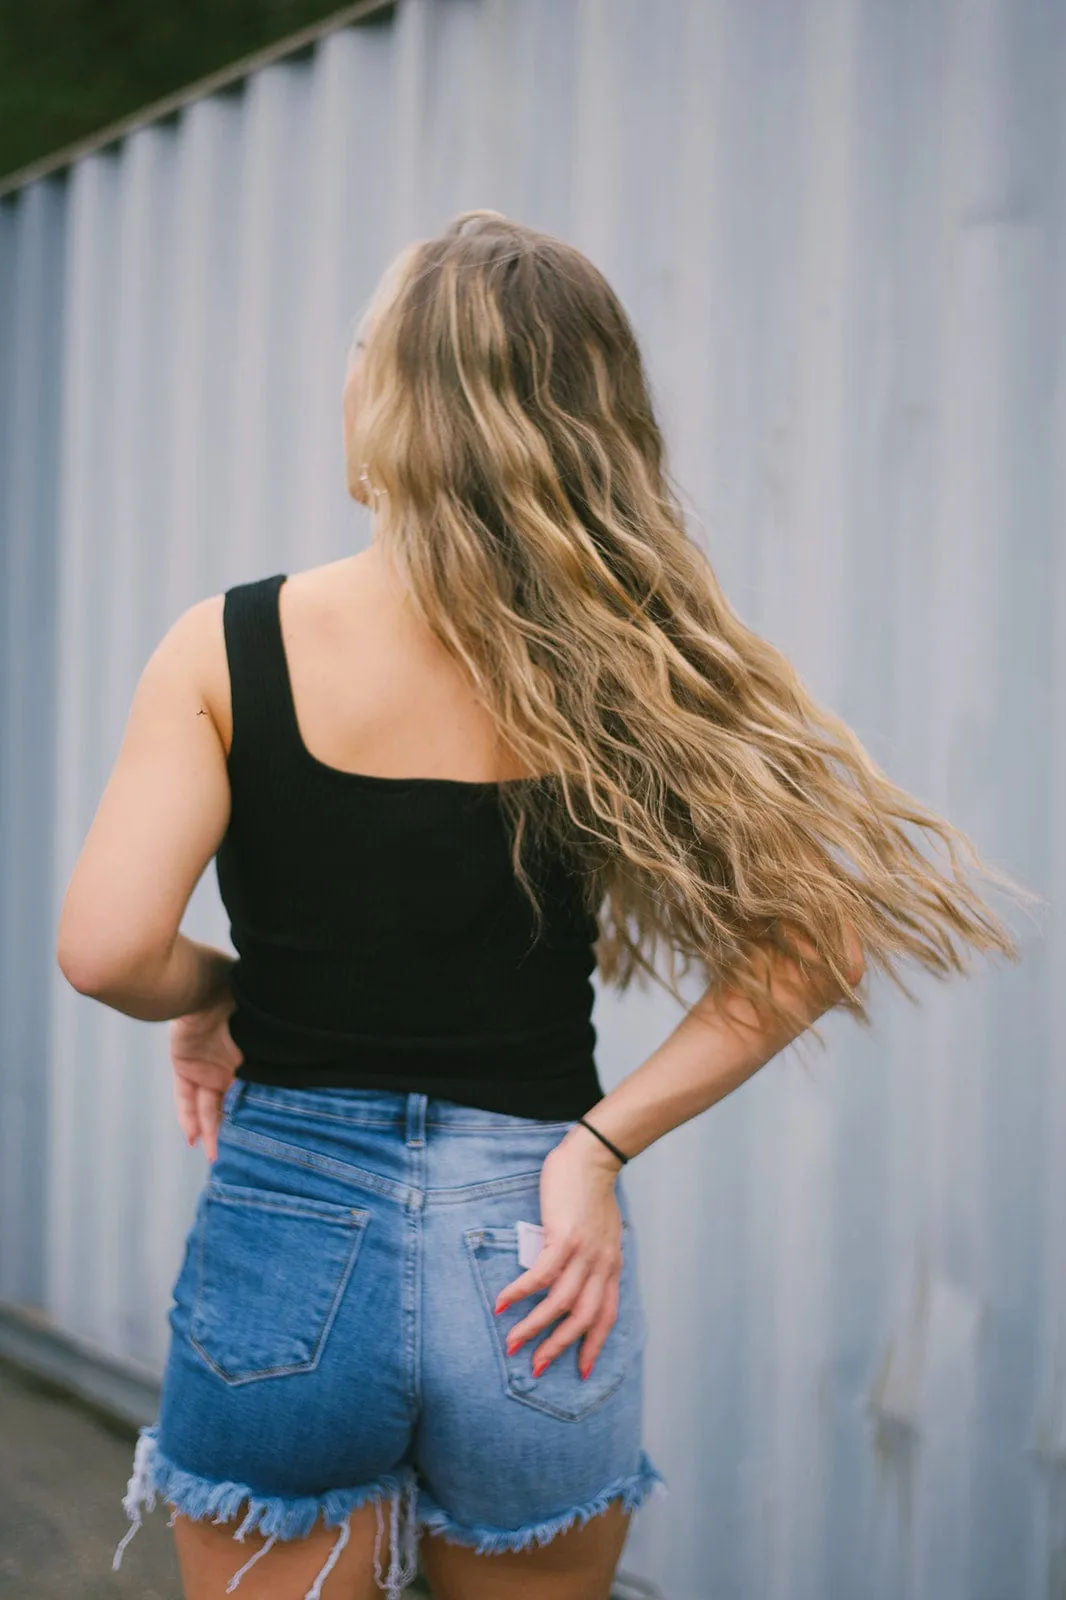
530,1242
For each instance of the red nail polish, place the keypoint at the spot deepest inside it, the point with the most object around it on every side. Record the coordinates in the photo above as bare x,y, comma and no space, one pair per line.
539,1368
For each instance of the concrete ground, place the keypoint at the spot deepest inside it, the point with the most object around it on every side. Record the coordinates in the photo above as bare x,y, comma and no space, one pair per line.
63,1472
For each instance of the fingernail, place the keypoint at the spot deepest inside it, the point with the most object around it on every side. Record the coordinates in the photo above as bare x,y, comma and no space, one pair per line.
538,1368
584,1371
499,1309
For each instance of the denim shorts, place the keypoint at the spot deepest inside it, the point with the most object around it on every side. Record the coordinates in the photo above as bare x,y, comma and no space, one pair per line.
333,1339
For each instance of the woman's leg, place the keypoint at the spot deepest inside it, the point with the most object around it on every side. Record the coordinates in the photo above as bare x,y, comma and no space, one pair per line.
209,1556
527,1485
288,1369
577,1565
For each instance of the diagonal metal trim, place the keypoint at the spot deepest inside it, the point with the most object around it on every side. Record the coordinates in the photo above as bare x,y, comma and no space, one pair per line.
349,16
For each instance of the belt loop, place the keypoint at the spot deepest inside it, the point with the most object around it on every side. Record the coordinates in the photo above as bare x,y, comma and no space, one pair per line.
233,1096
416,1118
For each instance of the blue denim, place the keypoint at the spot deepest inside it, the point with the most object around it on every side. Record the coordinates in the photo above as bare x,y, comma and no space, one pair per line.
333,1339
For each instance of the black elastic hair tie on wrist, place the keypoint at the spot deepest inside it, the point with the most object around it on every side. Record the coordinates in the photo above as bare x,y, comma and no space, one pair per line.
613,1148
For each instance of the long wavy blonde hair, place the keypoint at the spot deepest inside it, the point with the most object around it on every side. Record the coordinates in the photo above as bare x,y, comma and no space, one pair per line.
707,804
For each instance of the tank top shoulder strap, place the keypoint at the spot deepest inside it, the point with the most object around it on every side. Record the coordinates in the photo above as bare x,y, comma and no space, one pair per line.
264,718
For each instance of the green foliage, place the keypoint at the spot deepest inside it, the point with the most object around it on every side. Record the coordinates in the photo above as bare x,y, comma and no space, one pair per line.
70,67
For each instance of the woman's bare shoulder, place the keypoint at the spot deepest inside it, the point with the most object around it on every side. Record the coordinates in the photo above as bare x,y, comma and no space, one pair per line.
315,591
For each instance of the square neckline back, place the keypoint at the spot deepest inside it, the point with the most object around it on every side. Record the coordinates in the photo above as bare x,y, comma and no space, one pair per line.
487,786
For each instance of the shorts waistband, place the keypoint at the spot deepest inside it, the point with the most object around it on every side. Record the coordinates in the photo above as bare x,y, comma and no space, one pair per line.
409,1111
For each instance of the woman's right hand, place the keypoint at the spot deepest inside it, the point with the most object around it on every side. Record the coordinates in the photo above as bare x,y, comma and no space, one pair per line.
580,1261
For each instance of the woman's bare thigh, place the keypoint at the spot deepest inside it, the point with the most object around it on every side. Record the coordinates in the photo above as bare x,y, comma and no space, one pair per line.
208,1556
576,1565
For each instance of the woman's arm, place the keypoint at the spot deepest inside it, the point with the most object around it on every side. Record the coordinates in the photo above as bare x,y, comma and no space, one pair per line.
191,977
162,816
719,1044
715,1048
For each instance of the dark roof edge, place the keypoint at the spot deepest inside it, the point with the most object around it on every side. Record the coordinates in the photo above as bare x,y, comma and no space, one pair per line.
362,11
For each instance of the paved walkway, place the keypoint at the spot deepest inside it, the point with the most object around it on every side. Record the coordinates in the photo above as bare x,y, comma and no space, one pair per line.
63,1472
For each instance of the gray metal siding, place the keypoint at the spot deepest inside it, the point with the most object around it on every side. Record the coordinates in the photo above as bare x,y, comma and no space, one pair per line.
32,231
839,227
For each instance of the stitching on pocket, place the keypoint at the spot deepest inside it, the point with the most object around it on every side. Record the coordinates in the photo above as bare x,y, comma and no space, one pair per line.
560,1391
298,1155
272,1271
293,1112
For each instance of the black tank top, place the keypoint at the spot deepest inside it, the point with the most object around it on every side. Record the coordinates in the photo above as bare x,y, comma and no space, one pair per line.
383,940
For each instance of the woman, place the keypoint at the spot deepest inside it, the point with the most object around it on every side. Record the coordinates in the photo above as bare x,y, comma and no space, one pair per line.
521,734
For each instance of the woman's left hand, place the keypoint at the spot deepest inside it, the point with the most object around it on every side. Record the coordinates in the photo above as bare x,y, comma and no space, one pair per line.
580,1261
205,1060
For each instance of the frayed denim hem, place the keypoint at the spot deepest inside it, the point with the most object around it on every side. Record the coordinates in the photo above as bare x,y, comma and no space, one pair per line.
277,1516
632,1491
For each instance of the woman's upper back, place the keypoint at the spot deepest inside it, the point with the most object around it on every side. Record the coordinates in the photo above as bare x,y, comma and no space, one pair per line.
374,692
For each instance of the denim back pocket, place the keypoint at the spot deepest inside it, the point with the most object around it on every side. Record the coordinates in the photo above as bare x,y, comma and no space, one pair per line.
560,1390
272,1269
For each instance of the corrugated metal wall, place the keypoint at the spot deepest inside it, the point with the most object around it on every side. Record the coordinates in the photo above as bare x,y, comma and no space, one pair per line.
841,230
